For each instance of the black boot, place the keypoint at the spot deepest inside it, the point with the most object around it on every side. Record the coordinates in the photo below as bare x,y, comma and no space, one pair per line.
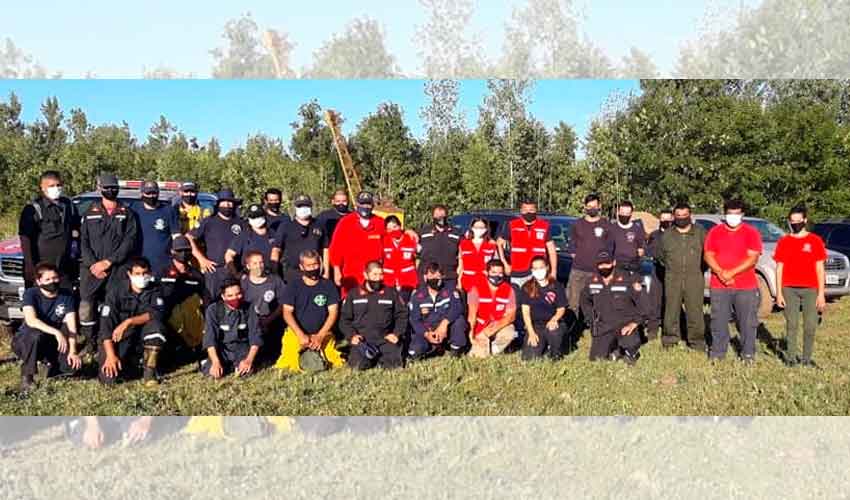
27,383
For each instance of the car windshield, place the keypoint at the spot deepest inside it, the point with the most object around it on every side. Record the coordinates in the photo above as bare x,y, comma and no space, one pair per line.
770,232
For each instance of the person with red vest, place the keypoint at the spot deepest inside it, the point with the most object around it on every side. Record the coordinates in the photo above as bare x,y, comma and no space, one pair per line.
475,251
399,259
358,239
492,311
527,237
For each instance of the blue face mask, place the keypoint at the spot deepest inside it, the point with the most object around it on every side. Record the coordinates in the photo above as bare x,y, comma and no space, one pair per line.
364,212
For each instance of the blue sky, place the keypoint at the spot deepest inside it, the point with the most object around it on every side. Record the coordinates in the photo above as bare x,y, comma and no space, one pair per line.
118,39
233,109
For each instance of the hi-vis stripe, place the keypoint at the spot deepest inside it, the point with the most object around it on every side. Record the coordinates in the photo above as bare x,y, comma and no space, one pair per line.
385,302
360,301
441,302
154,336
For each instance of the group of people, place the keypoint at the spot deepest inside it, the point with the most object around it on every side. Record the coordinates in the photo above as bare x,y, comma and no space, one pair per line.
240,287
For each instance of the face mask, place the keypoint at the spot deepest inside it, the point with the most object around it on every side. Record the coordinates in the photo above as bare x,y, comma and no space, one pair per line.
592,212
665,224
110,194
796,227
435,283
150,201
605,271
734,220
440,221
54,192
682,222
529,217
182,256
540,274
396,234
233,303
140,282
341,208
496,280
273,207
257,222
375,285
478,232
364,212
312,274
189,199
624,219
226,211
50,287
303,212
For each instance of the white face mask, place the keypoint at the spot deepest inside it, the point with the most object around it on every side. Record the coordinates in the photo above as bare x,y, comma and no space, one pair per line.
539,274
54,192
734,220
478,232
140,282
257,222
303,212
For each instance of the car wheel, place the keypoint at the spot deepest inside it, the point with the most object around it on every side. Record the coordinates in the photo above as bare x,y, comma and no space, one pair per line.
766,303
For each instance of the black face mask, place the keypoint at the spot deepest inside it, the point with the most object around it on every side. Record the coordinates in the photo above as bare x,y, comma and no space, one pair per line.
312,274
624,219
440,222
529,217
796,227
605,272
50,287
189,199
435,283
110,194
182,256
375,285
496,280
682,222
341,208
592,212
226,211
150,201
273,207
364,212
666,224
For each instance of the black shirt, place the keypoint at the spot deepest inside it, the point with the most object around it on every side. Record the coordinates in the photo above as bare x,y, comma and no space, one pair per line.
217,233
49,227
440,247
123,303
627,242
275,222
311,303
587,239
295,237
265,297
328,220
108,236
548,301
249,241
373,315
49,310
177,287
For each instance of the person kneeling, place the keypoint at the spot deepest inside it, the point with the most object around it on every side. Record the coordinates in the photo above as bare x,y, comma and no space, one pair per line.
310,309
374,319
544,305
436,317
232,337
492,311
131,328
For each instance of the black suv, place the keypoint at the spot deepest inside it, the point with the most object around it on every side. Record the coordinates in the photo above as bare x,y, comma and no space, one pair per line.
835,234
559,229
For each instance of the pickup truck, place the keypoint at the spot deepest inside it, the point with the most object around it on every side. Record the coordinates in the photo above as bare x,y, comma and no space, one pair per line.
12,259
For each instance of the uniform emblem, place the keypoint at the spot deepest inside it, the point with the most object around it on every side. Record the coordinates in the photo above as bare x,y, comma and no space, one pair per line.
598,231
317,232
236,229
541,234
159,225
807,248
268,296
60,311
320,300
630,237
159,301
104,311
550,297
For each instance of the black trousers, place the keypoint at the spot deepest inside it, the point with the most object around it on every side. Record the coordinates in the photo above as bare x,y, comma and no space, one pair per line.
605,344
551,342
130,351
390,356
92,293
32,346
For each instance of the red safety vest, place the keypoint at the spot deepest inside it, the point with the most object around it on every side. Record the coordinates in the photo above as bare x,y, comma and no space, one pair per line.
527,242
400,262
475,262
492,306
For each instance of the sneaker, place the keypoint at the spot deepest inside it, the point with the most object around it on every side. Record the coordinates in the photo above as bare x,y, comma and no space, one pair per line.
27,383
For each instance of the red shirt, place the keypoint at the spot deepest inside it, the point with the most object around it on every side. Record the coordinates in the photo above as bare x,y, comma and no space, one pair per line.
799,257
353,246
731,249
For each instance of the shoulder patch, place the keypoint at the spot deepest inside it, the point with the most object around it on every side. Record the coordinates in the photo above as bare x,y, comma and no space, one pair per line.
104,311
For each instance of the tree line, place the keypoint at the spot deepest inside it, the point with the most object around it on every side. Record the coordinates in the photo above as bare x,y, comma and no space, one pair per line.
772,143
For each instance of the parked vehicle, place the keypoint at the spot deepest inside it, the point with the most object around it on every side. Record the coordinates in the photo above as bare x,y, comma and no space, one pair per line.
835,234
12,259
837,264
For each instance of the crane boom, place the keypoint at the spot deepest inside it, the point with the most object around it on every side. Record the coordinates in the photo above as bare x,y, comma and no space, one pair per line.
352,180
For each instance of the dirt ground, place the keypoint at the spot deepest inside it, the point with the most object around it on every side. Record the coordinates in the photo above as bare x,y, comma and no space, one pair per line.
460,457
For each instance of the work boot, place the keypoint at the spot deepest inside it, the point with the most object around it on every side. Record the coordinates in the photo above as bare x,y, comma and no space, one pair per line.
149,375
630,358
27,383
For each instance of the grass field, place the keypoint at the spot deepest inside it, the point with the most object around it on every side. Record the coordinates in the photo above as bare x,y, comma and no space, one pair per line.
677,382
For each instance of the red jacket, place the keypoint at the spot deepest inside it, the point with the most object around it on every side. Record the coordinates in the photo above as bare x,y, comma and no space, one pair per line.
475,262
527,242
400,262
353,246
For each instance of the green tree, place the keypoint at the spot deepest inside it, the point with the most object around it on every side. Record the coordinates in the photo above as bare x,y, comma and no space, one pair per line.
242,57
360,52
446,47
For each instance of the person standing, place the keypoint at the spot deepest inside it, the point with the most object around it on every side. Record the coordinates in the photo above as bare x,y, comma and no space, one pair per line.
48,228
732,250
629,239
680,253
303,233
589,236
544,305
189,212
158,225
256,237
358,239
399,259
476,250
527,237
272,200
211,239
439,243
329,218
800,272
654,276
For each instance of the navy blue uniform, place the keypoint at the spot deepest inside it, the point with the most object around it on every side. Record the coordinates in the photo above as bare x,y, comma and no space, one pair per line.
158,227
216,234
427,312
373,316
47,230
294,238
249,241
611,307
232,332
440,247
177,287
32,345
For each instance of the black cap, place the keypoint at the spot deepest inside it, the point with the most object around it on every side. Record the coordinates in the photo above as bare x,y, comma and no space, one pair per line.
365,198
255,211
150,187
226,194
181,243
604,257
188,186
302,200
107,180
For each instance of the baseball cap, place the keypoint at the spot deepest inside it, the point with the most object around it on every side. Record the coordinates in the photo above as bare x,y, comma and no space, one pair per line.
188,186
107,180
255,211
365,198
181,243
150,187
604,257
303,200
226,194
